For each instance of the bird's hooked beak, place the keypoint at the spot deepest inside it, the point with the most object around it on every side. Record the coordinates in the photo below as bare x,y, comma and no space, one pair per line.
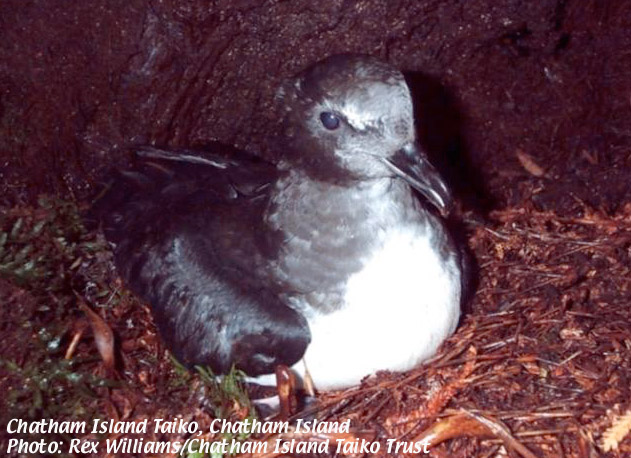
411,164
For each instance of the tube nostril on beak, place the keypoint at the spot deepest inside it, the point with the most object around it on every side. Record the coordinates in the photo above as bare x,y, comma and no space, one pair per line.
412,165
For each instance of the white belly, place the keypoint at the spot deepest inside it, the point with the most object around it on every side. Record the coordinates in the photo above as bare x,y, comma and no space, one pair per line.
397,311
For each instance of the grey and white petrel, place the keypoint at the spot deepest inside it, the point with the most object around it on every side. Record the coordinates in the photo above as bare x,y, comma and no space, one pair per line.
323,258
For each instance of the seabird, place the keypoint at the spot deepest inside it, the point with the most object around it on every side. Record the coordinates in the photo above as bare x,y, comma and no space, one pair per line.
324,258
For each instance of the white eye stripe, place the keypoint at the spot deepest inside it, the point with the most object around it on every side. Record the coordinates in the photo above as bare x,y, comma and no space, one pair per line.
379,108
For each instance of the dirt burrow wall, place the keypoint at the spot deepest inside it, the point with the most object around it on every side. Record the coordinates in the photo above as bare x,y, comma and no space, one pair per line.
493,80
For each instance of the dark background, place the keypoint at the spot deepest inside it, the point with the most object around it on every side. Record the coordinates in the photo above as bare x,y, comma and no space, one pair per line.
551,79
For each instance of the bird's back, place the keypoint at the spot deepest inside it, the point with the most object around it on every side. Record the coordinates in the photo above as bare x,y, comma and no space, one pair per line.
184,227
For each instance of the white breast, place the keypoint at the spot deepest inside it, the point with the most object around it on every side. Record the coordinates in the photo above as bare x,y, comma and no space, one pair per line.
398,310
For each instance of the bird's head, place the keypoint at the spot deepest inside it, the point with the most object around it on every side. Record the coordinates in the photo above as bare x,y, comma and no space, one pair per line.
350,118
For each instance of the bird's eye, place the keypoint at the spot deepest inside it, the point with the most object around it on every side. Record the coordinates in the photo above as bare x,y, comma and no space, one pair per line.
329,120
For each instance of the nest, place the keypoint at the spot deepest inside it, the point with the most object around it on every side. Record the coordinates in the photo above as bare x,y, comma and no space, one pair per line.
541,363
539,366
